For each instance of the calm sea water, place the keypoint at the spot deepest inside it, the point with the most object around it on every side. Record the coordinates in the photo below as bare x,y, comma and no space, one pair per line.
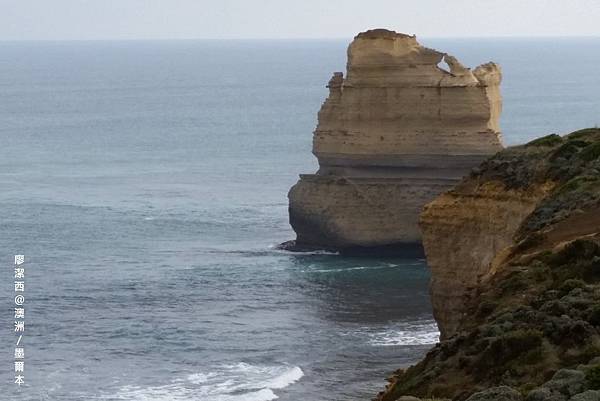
146,184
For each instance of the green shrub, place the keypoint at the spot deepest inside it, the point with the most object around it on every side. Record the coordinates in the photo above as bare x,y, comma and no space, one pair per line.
570,285
510,346
577,183
463,362
486,308
590,352
578,250
578,143
515,282
593,377
548,140
526,388
586,133
594,316
567,150
524,340
591,270
590,152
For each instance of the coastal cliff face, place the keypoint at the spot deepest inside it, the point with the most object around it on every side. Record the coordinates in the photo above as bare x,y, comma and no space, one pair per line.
393,134
515,256
463,232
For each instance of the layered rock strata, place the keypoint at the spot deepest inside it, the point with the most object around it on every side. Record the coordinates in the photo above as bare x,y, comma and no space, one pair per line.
515,256
464,230
394,133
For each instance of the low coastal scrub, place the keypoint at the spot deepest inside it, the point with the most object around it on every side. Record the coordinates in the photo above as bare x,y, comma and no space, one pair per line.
535,323
548,140
591,152
593,377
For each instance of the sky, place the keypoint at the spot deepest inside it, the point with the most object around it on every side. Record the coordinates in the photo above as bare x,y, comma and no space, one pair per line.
284,19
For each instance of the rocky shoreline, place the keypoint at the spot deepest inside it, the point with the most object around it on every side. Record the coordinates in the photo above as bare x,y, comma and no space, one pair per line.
411,163
409,250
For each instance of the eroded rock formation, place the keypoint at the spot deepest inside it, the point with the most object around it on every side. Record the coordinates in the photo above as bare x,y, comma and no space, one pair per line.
515,256
393,134
464,230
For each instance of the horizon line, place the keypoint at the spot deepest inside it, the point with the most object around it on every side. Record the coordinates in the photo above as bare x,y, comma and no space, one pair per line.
298,38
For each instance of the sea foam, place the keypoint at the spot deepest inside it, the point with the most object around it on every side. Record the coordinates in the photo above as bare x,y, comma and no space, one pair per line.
415,333
238,382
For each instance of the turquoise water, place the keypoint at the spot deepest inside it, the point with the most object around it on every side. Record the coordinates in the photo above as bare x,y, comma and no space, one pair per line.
146,184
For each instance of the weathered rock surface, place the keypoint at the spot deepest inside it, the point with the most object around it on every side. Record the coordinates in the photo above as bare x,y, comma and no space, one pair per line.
518,244
393,134
464,229
469,230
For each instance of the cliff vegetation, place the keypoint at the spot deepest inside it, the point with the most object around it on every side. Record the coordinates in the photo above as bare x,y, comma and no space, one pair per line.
527,327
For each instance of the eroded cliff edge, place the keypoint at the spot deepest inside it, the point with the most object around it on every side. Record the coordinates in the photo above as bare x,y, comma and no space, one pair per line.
394,133
515,256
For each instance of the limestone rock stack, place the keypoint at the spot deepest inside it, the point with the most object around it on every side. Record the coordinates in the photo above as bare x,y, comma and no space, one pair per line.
393,134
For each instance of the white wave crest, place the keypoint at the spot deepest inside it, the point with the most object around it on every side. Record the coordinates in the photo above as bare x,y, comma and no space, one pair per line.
239,382
417,333
345,269
285,379
302,253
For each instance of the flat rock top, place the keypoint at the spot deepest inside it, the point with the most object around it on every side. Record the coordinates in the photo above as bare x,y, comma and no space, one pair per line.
382,34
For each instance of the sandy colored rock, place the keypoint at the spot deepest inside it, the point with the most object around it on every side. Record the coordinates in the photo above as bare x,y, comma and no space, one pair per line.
394,133
463,232
515,257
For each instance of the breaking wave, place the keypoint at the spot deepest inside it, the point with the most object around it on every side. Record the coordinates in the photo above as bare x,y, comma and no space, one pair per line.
239,382
415,333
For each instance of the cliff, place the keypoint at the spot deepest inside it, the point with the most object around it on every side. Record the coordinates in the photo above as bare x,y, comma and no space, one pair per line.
393,134
514,252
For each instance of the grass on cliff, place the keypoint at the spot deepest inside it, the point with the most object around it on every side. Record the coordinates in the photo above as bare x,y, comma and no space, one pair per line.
593,377
528,322
540,312
574,168
591,152
549,140
549,158
590,134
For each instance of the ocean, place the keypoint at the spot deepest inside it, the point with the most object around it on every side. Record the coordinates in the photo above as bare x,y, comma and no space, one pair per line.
145,183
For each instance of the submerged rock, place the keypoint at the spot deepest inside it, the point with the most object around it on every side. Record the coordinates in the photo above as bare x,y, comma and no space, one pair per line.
393,134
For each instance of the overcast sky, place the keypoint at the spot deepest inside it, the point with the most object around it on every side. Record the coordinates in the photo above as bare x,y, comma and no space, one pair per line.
185,19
